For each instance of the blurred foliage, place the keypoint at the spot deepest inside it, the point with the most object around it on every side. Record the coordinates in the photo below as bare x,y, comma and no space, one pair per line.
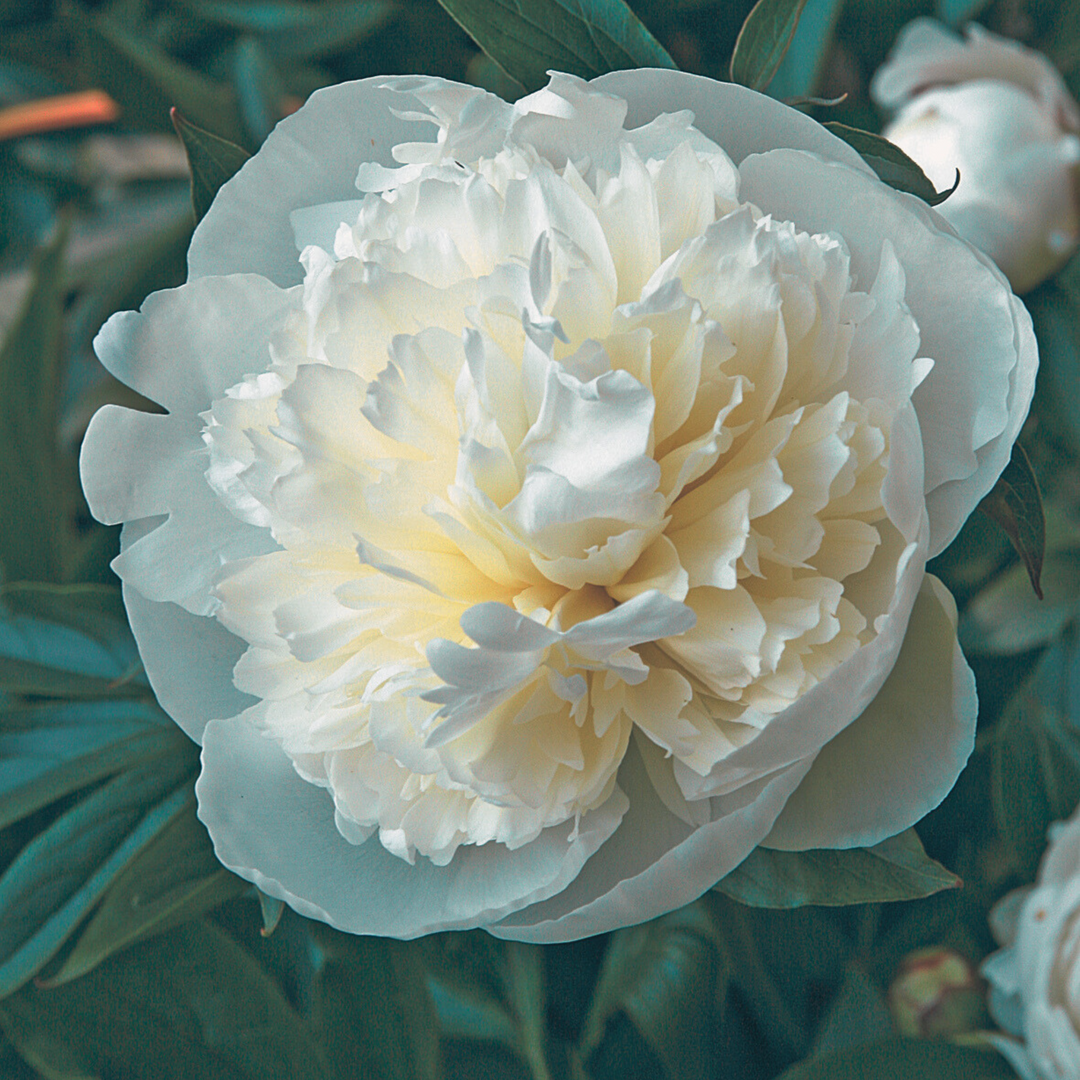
125,949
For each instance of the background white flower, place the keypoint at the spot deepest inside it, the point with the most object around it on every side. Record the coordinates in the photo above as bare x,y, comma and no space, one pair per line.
1001,114
1035,978
563,509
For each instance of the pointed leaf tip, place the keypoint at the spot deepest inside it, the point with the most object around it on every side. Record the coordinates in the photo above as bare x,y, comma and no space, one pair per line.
212,159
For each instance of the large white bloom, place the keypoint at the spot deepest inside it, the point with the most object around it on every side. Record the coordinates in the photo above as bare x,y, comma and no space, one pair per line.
540,539
1035,978
1001,114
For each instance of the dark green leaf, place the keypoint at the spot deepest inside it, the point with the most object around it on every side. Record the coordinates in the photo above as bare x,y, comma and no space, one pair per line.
895,869
668,976
67,641
764,40
1055,311
64,871
583,37
258,87
891,164
213,160
801,69
176,878
465,974
50,751
1015,504
905,1059
858,1014
146,82
291,31
1035,755
31,525
188,1005
373,1008
131,764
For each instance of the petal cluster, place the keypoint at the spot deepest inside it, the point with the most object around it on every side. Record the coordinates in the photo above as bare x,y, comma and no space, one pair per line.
547,515
1001,114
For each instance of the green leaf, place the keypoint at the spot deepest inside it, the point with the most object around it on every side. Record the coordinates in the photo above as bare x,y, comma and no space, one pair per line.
213,160
56,880
146,82
188,1005
895,869
50,751
669,978
31,524
465,976
1007,618
373,1010
858,1014
258,87
67,641
587,38
130,846
175,879
801,69
763,41
1015,504
1035,756
290,31
1055,311
905,1059
891,164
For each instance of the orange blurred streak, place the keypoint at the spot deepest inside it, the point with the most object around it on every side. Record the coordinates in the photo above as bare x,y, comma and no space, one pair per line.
56,113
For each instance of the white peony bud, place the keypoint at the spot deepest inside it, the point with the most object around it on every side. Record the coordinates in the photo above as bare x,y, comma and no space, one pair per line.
1000,113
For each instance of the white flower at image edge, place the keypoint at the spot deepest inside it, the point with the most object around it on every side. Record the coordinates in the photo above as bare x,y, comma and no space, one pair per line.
1001,114
1035,978
539,519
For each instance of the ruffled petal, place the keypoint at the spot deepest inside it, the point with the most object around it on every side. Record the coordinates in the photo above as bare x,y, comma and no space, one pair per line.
311,157
174,643
274,828
655,862
184,347
901,757
976,396
742,121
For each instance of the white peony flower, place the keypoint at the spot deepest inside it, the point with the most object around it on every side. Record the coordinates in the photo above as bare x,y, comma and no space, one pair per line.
541,539
1035,978
1001,114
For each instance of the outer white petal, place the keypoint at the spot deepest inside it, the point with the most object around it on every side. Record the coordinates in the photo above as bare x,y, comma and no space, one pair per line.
901,757
277,830
184,347
977,395
174,644
311,157
739,120
926,55
655,862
